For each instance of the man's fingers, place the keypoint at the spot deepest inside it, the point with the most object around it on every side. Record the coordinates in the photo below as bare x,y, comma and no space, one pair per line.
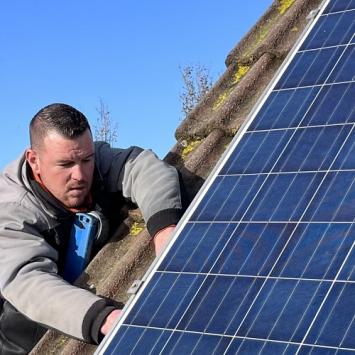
110,321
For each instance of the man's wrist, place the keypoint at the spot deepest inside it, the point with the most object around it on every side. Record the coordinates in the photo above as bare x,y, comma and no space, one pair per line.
163,219
171,226
109,321
95,332
161,239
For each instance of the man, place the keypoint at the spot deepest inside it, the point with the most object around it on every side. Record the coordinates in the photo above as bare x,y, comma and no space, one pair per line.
65,172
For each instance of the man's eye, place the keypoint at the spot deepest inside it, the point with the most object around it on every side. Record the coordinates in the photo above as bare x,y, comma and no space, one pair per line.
66,165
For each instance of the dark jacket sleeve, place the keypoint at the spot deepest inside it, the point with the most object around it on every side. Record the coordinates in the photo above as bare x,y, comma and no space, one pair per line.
145,180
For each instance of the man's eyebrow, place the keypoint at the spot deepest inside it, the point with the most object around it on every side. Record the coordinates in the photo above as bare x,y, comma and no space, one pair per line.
64,161
89,156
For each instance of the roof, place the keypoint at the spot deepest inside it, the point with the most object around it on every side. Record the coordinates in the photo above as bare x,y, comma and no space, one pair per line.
201,140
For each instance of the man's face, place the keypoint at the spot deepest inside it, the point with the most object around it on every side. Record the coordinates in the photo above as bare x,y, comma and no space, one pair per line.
65,166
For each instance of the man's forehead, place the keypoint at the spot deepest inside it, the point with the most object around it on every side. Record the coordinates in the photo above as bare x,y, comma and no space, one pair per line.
58,145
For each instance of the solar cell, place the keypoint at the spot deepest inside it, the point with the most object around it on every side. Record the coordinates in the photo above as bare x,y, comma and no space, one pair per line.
287,108
264,261
339,5
334,29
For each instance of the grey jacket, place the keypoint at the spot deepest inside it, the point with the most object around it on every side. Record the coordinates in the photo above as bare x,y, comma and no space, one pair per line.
30,234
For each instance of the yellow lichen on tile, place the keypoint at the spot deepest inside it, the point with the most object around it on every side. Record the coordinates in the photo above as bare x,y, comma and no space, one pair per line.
221,99
136,228
189,147
234,131
242,70
284,5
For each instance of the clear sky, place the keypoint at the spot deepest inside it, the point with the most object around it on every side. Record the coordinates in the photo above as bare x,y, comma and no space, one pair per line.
127,53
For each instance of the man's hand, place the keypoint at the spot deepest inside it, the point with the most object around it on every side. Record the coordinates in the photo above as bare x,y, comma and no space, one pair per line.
161,238
110,321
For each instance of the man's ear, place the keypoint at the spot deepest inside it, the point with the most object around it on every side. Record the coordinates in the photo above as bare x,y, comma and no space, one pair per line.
33,159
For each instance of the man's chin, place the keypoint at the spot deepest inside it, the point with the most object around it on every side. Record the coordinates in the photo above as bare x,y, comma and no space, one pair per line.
75,202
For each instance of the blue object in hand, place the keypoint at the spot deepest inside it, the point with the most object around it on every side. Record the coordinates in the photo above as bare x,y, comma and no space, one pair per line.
82,236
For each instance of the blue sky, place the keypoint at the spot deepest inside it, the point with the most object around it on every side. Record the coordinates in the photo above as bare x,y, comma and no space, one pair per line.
126,53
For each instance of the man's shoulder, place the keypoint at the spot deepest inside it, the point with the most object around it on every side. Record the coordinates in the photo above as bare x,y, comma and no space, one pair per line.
107,156
18,206
12,184
15,190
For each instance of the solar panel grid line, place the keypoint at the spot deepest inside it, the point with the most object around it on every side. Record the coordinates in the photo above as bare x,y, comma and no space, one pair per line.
317,49
285,173
273,222
319,346
313,85
340,281
341,11
231,285
292,128
253,338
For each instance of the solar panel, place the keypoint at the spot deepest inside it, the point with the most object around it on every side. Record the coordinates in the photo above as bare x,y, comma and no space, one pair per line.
263,262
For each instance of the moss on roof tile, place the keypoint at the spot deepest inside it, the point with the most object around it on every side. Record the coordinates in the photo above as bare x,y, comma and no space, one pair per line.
189,147
136,228
284,5
241,71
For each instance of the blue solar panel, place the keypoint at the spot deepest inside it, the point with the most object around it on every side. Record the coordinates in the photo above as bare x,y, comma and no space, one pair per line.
264,262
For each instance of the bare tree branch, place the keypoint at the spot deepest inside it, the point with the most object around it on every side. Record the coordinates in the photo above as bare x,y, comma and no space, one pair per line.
196,83
105,130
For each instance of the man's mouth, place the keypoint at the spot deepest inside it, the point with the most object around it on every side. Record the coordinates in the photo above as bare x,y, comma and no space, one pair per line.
77,189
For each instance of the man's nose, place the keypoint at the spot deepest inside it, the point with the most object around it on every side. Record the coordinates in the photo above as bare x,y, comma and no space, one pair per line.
77,172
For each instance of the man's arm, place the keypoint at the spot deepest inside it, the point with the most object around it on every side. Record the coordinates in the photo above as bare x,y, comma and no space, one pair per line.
145,180
29,280
155,187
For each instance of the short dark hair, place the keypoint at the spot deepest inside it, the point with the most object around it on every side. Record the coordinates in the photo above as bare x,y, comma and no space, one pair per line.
61,118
